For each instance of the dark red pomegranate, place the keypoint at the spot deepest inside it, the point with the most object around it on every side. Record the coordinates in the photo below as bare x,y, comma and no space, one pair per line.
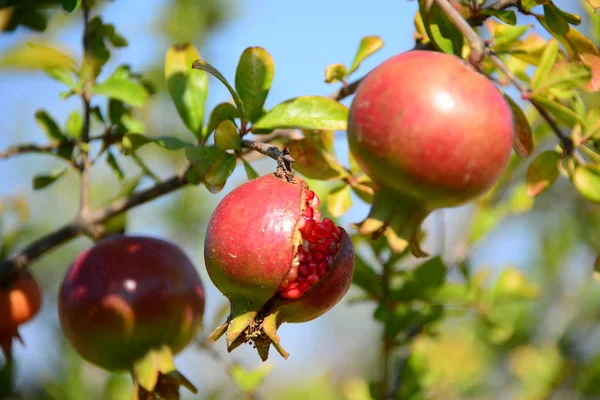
431,132
270,253
128,296
20,300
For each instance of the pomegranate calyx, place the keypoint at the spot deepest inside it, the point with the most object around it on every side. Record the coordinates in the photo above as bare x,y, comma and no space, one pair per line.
399,218
155,375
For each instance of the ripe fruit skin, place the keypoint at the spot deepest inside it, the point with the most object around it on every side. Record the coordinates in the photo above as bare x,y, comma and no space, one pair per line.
429,131
128,295
20,300
251,244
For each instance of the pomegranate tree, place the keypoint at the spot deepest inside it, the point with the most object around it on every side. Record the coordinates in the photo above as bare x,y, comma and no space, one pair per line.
271,254
431,132
130,303
20,300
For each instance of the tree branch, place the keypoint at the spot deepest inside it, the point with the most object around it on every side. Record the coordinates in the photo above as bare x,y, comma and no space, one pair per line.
475,42
46,148
87,111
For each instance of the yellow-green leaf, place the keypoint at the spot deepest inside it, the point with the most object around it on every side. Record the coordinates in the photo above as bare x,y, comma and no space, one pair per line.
227,136
587,182
335,73
339,200
49,126
42,181
306,112
35,56
250,171
249,381
442,32
188,87
542,172
253,79
546,64
122,86
564,114
368,46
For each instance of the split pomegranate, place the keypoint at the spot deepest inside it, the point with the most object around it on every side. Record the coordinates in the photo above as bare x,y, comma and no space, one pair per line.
271,254
20,300
431,132
128,296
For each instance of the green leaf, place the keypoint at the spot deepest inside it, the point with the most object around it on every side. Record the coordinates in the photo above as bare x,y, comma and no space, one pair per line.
566,77
339,200
212,164
250,171
546,64
64,75
227,136
253,78
442,32
564,114
70,5
222,112
306,112
49,126
365,277
133,141
74,125
542,172
505,35
249,381
523,139
587,182
367,47
336,73
507,16
35,56
188,87
42,181
114,165
313,160
570,18
422,282
555,20
171,143
204,66
121,86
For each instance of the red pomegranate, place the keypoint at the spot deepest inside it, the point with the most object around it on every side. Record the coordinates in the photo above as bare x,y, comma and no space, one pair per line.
271,254
431,132
20,300
128,296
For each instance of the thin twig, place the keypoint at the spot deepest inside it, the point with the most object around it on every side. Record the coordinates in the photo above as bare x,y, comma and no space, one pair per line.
110,138
475,42
87,111
268,150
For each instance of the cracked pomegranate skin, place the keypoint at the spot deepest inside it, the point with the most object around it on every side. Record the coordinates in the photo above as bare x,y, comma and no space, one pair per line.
128,295
249,250
428,125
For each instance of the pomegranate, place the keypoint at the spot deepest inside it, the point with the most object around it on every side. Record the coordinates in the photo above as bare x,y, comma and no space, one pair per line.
127,297
271,254
431,132
20,300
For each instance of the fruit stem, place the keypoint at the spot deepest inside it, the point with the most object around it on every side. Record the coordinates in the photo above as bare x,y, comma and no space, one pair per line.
284,166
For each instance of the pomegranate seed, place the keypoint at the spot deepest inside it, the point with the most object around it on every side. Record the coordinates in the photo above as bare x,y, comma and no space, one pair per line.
292,294
317,255
303,270
314,278
303,287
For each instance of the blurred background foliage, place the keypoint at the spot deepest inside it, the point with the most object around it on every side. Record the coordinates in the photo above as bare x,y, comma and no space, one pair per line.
510,310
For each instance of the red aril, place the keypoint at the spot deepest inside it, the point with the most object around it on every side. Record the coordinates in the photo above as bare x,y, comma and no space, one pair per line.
271,254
